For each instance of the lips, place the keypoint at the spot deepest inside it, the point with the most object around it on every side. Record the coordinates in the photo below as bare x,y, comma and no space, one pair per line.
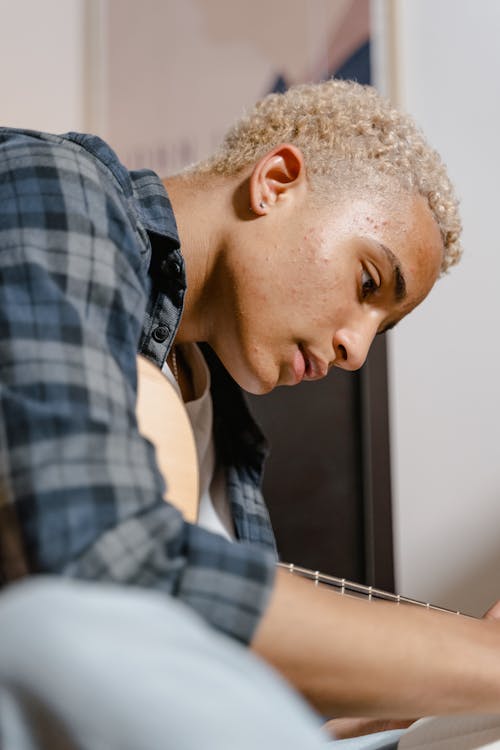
315,369
307,367
299,365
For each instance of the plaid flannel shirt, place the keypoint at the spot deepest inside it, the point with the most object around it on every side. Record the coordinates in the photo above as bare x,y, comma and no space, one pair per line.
90,273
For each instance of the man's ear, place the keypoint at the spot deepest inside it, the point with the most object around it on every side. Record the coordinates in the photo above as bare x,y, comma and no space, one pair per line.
276,173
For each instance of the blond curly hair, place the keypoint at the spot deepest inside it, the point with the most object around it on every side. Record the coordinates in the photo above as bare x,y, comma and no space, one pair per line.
346,129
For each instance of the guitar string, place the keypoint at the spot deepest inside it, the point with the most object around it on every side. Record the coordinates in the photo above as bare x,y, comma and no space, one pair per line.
357,589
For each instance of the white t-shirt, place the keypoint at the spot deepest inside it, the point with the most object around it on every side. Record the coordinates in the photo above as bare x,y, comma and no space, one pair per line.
214,511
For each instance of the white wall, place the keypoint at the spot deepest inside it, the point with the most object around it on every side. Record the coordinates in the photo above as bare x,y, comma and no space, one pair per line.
42,64
445,359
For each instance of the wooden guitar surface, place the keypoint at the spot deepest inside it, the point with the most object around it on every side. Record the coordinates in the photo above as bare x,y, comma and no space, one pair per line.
163,419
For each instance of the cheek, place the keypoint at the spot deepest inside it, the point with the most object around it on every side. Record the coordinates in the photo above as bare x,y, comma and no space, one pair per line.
329,280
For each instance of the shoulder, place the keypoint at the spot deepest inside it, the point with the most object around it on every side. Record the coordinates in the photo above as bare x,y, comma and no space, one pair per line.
33,153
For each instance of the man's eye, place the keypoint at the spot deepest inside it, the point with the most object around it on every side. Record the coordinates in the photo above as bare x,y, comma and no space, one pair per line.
368,284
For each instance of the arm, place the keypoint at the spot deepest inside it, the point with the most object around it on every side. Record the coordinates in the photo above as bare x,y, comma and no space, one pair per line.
352,657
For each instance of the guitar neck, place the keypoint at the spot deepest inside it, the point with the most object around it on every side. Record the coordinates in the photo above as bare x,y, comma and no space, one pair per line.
349,588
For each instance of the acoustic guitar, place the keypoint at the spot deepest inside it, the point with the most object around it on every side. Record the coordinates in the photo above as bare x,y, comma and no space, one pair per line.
163,420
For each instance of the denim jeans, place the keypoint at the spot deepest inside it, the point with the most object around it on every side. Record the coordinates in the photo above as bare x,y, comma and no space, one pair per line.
99,667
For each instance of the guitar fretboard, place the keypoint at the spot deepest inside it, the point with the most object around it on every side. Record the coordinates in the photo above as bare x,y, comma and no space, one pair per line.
349,588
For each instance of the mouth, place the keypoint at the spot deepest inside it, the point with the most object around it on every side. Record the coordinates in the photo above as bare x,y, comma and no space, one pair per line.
299,365
313,368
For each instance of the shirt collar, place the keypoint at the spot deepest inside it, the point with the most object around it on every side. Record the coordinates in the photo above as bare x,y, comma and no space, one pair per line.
153,205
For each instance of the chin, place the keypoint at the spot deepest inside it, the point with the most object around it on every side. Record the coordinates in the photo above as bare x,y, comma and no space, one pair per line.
252,382
257,389
251,378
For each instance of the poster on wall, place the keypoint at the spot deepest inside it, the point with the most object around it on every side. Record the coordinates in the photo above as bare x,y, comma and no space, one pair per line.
177,74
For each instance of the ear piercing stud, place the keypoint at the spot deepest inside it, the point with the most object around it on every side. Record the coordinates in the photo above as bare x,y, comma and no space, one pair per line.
262,206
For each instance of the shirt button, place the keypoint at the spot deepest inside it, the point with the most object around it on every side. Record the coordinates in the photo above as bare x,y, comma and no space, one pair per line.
170,267
160,334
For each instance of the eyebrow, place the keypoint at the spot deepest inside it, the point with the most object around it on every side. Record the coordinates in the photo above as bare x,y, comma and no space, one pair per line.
399,281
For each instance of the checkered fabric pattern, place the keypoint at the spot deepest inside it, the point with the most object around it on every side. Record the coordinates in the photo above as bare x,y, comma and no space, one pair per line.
90,272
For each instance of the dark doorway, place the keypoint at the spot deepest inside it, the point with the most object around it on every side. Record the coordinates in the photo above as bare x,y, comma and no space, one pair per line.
327,481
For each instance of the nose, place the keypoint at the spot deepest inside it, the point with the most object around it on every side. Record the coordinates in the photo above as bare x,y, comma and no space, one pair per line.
352,345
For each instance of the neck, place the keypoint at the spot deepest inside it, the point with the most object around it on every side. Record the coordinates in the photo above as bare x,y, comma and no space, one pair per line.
198,204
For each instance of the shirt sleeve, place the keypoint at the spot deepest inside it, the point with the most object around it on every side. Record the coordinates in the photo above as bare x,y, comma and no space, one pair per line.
80,491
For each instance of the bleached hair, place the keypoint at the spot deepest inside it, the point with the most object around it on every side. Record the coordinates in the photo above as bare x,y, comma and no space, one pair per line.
346,132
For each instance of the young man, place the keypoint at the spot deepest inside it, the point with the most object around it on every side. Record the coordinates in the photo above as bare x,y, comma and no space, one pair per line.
324,219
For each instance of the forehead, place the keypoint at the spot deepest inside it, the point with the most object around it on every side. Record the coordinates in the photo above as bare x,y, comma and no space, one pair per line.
405,225
415,239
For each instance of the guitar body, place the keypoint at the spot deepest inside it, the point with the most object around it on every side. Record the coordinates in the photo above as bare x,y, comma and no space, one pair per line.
163,420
